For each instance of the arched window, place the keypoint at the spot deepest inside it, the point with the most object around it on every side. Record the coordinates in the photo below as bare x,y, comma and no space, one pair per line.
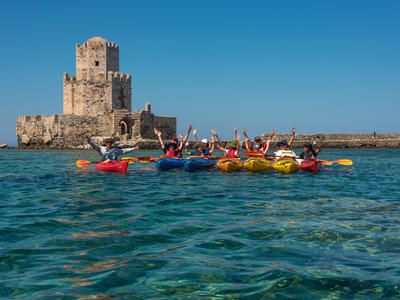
126,126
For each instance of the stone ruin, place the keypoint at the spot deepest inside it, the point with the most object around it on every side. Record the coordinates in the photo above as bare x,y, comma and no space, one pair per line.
97,102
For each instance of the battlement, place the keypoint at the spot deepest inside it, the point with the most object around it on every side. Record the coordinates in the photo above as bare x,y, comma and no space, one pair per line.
110,45
68,78
117,76
111,76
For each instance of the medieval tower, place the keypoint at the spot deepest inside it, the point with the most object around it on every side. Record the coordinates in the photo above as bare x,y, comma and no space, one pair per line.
96,102
99,87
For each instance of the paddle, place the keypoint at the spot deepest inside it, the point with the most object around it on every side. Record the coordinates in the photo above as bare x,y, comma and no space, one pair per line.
142,159
83,163
343,162
208,157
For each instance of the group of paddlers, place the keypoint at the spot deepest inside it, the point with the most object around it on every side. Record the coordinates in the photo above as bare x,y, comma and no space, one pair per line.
206,148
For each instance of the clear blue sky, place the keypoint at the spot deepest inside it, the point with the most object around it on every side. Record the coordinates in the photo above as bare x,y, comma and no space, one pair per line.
322,66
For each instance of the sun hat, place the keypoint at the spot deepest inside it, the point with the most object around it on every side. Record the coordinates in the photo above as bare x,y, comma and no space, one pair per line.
204,141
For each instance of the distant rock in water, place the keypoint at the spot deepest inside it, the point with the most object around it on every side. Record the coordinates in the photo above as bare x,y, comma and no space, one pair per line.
3,146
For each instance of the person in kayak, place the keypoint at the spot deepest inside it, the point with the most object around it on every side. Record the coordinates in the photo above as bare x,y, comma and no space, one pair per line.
232,149
309,153
175,148
108,151
258,145
283,151
204,148
283,147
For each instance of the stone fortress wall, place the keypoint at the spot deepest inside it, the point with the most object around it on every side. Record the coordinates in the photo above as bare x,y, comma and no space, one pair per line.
97,102
345,140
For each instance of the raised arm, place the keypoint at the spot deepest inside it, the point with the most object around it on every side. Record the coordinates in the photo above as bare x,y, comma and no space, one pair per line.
292,137
157,132
185,139
237,140
268,142
129,150
94,145
196,138
318,150
219,143
212,145
247,139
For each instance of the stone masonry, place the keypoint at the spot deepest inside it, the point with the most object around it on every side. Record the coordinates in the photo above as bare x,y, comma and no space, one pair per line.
97,102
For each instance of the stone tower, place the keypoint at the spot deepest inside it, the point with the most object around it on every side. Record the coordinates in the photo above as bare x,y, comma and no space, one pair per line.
98,88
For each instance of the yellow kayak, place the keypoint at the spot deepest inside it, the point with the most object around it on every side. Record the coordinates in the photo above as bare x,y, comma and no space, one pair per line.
286,166
229,165
256,164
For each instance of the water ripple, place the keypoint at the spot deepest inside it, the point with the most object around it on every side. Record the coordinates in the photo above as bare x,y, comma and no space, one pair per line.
68,233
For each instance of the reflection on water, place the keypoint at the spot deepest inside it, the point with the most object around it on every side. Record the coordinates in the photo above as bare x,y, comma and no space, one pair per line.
78,233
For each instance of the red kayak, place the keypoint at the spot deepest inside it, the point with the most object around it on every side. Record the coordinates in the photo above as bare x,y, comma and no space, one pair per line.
312,166
113,166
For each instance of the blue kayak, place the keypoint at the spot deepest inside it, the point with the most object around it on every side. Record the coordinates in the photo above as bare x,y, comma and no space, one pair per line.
166,164
196,164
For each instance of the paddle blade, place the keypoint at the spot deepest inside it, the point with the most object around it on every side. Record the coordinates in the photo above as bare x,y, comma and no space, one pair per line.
82,163
325,162
344,162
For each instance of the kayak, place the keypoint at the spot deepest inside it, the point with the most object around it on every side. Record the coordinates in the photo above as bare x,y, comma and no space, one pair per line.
229,165
253,154
196,164
286,166
169,163
112,166
257,164
312,166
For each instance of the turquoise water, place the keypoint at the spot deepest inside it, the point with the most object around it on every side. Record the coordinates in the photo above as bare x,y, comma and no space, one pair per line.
69,233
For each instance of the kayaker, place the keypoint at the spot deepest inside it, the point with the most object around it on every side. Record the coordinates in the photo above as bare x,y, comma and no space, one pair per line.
283,147
203,148
308,151
283,151
175,148
232,149
108,151
258,145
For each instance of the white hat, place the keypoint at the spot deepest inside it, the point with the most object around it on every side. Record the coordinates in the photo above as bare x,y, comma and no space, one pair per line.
204,141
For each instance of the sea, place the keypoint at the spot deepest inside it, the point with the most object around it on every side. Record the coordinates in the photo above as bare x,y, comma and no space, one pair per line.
78,233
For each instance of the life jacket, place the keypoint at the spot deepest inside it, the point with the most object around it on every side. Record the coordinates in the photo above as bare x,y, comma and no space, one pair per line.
231,153
112,154
310,155
172,150
170,153
258,148
285,153
204,152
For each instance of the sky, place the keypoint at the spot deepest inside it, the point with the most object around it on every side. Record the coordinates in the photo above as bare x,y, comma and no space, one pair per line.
321,66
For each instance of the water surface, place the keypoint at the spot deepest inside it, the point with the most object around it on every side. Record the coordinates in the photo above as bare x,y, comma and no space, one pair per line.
70,233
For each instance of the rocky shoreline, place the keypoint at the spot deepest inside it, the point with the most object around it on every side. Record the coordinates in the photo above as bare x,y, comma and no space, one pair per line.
334,141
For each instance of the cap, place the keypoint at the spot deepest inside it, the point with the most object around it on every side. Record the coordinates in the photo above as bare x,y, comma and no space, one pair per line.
204,141
308,145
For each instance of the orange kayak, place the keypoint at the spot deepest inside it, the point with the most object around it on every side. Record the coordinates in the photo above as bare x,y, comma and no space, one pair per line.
253,154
